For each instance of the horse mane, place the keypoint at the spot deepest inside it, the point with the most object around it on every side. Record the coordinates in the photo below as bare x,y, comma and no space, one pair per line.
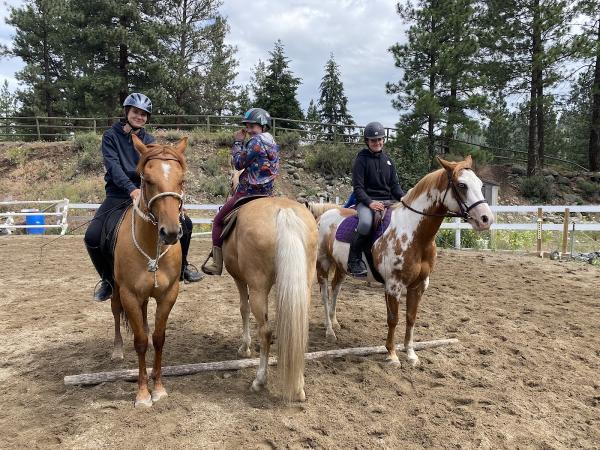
155,150
317,209
436,179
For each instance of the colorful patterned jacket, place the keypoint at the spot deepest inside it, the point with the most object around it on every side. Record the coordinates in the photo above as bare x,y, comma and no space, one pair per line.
260,159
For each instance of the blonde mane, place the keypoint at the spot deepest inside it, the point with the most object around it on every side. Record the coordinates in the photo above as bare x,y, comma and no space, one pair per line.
317,209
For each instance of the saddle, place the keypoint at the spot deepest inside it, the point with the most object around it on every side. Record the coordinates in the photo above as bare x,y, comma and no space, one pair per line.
230,219
110,230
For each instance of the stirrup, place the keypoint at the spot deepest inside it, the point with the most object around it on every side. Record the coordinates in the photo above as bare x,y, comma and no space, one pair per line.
194,278
99,295
360,265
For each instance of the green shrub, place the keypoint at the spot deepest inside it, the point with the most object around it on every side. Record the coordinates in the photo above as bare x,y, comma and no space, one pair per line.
17,155
217,186
537,188
589,187
289,142
330,159
221,138
173,135
89,154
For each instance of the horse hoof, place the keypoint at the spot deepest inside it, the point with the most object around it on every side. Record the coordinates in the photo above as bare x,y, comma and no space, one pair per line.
256,386
300,397
144,403
413,362
392,362
157,394
244,353
331,337
117,355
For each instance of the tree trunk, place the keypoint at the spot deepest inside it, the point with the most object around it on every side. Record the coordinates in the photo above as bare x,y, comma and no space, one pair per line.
123,64
594,145
534,103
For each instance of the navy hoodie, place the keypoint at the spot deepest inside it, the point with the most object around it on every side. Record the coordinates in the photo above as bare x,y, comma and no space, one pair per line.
120,160
374,177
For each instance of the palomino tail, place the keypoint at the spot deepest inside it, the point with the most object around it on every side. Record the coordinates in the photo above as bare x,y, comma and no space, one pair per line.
292,302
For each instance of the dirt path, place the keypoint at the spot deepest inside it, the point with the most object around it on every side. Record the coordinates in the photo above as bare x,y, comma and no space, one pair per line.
525,373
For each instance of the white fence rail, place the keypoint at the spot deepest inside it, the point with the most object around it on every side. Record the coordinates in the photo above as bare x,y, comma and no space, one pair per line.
61,209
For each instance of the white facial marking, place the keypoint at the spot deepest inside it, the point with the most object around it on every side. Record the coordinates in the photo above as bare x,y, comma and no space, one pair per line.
166,170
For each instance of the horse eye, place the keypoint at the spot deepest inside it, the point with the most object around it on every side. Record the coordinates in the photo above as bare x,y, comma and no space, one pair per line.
462,185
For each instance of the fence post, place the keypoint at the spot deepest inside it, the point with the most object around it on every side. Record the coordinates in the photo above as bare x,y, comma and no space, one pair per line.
208,123
273,126
565,232
457,233
37,125
540,219
94,125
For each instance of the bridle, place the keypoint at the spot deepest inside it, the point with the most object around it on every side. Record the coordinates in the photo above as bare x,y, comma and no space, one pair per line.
464,208
151,218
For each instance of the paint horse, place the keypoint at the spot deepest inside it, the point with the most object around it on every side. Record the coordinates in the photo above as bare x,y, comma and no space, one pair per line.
274,242
148,258
405,253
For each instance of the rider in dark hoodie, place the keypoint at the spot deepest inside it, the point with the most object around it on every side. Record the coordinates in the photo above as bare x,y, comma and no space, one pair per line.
374,180
123,186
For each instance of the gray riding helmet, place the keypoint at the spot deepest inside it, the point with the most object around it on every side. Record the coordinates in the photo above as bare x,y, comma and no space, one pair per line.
259,116
139,101
374,130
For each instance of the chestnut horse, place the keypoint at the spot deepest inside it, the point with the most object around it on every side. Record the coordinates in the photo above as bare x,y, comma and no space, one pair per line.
405,253
274,242
148,258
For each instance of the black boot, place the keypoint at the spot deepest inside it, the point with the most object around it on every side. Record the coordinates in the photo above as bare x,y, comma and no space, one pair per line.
190,274
103,290
356,266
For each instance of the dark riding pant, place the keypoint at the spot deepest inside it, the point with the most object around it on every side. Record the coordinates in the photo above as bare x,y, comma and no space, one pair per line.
217,226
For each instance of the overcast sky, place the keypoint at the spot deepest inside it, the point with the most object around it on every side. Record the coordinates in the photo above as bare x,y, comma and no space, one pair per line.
357,32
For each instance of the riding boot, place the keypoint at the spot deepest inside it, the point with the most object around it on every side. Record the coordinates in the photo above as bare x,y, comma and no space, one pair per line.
356,265
216,266
103,290
190,274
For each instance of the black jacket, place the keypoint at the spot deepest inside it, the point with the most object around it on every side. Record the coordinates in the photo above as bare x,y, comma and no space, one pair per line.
120,160
374,177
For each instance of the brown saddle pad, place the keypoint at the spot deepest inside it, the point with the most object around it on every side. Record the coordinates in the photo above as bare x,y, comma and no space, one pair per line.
230,219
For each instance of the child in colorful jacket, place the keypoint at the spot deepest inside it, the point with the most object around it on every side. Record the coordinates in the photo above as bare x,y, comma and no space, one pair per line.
259,160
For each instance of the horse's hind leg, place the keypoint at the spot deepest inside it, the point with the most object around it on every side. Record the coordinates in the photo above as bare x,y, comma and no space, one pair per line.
392,302
338,277
413,297
115,306
260,309
163,308
244,351
322,278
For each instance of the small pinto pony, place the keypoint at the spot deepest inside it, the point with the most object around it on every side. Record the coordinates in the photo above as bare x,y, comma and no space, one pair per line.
274,242
148,258
404,255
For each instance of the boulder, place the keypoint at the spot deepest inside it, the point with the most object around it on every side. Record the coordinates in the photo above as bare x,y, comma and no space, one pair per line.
518,170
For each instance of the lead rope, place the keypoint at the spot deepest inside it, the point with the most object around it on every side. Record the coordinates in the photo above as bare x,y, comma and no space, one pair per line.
152,263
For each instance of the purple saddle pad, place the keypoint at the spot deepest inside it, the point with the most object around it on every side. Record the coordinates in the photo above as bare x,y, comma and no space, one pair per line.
348,226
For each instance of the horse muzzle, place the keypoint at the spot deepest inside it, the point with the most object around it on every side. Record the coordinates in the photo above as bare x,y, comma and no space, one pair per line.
170,236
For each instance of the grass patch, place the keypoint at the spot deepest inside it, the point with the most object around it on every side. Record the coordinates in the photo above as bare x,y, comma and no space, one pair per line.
88,151
18,155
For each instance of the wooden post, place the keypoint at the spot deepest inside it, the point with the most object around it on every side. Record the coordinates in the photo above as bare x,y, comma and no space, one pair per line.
94,125
208,124
188,369
565,233
273,127
540,219
37,125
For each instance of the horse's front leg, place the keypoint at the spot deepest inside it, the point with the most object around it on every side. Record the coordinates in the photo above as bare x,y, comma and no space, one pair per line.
338,277
260,310
163,308
322,278
133,309
115,306
244,351
392,301
146,327
413,297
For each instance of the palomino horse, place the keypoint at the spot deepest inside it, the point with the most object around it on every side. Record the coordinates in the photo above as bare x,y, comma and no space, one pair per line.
405,253
149,236
274,242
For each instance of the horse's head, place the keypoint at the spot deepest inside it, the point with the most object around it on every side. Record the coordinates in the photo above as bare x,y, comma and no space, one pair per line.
464,194
162,169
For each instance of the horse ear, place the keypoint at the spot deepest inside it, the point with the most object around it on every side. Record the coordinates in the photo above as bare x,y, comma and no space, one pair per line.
138,145
181,145
449,166
468,161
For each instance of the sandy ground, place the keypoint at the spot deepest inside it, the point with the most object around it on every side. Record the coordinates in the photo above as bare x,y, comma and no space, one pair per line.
524,375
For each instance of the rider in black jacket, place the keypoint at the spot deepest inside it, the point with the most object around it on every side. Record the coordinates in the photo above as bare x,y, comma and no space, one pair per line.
123,185
374,180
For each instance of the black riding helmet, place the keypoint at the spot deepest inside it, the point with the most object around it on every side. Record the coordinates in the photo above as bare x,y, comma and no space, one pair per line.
139,101
259,116
374,130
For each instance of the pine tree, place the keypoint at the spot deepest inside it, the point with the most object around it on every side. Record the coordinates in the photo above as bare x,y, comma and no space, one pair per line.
312,115
333,103
278,93
219,90
243,102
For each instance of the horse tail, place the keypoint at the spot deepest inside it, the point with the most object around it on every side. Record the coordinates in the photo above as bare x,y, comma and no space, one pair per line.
292,300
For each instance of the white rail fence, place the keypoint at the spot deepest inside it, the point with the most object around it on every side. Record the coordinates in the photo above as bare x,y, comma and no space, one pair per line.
35,219
62,207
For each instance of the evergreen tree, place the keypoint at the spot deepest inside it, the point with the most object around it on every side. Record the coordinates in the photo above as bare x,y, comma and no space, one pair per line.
312,115
8,101
527,41
243,102
333,103
219,91
441,69
278,93
257,81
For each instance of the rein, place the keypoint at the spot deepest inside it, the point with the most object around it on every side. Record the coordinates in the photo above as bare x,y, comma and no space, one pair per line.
464,209
150,218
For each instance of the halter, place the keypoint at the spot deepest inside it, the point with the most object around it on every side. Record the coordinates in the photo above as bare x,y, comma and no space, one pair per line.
150,218
464,209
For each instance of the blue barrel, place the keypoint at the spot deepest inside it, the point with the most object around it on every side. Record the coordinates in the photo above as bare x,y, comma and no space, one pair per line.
35,219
